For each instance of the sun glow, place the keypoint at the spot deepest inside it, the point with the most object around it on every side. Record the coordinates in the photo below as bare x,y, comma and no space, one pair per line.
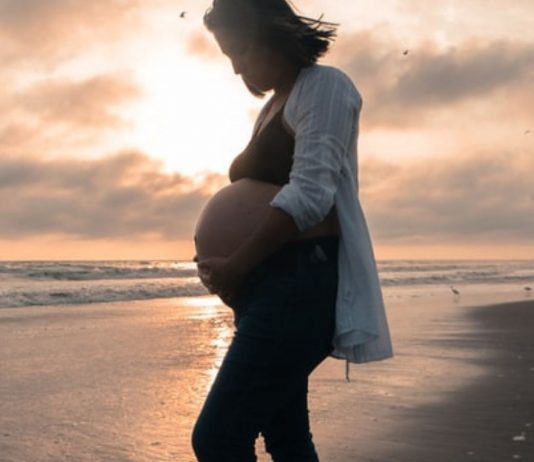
194,115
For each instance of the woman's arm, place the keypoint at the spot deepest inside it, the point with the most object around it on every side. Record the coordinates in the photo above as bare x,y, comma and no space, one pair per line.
223,275
325,121
277,228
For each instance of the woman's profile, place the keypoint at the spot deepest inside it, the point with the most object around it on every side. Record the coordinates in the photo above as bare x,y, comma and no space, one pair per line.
303,285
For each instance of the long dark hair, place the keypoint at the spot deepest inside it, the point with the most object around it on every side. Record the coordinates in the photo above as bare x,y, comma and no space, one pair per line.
274,23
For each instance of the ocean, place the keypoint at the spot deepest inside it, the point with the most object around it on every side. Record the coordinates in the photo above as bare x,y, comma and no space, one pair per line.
27,283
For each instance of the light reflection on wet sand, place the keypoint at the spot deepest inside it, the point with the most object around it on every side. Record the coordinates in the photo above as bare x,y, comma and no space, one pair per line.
221,330
121,381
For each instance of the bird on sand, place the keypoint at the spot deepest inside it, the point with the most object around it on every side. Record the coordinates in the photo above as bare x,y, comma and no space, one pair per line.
527,290
182,14
405,52
455,291
527,132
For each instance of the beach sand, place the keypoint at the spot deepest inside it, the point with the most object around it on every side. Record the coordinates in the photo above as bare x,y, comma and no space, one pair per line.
461,388
125,381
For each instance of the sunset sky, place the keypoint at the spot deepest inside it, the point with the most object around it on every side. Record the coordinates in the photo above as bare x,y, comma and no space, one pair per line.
120,119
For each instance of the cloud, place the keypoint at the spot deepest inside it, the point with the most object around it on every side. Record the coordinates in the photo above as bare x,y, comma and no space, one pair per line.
86,103
59,113
47,31
122,196
15,135
200,44
430,78
469,72
481,197
488,15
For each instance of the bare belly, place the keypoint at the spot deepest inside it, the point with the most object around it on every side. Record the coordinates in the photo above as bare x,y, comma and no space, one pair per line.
235,211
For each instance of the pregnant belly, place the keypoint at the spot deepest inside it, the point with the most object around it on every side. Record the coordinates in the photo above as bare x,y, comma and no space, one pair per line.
234,213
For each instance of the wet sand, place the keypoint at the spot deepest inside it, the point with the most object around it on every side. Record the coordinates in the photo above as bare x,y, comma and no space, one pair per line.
125,381
491,419
461,388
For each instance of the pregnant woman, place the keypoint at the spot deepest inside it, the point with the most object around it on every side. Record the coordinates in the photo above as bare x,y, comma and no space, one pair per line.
294,259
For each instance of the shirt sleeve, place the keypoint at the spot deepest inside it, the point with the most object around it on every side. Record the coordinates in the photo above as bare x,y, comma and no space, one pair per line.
325,121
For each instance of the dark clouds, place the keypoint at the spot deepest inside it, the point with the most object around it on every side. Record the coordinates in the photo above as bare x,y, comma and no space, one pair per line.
483,198
479,198
469,72
122,196
404,89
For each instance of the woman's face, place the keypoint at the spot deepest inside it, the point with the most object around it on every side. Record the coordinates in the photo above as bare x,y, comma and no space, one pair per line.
259,66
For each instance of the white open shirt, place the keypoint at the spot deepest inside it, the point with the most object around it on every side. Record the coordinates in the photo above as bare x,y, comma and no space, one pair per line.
323,111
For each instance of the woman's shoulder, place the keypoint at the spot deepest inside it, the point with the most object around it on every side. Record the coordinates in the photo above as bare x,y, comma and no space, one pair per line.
321,76
325,73
321,82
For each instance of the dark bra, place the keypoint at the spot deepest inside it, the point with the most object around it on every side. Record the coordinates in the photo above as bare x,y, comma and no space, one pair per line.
268,156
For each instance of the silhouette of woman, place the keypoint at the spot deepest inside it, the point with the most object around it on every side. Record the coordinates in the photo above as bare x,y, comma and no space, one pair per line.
304,285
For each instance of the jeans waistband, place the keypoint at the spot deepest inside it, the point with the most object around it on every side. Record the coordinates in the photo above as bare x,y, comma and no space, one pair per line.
290,258
314,250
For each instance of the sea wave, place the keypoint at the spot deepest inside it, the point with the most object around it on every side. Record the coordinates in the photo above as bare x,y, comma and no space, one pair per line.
69,294
52,283
91,271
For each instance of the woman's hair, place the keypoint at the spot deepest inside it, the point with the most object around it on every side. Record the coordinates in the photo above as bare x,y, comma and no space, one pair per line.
275,24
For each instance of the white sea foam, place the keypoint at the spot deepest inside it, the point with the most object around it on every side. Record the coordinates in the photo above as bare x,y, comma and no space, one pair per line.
52,283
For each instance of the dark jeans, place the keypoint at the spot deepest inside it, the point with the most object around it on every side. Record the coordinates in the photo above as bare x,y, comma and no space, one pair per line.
284,318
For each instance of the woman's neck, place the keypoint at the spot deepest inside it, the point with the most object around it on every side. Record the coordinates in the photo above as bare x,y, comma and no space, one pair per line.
283,88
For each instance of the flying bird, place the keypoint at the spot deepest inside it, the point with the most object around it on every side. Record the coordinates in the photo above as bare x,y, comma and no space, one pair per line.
405,52
527,132
182,14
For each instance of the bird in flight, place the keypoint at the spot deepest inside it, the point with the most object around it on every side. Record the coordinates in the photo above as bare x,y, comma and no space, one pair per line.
405,52
527,132
182,14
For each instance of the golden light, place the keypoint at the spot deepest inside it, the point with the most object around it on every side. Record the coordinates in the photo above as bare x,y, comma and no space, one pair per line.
194,115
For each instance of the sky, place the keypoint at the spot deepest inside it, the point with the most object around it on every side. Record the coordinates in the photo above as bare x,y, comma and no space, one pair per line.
120,120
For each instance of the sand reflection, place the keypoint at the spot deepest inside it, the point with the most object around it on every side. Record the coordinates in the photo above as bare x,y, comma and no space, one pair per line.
218,332
114,381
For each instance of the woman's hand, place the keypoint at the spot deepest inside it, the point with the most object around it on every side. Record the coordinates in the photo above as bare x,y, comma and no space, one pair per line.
220,277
